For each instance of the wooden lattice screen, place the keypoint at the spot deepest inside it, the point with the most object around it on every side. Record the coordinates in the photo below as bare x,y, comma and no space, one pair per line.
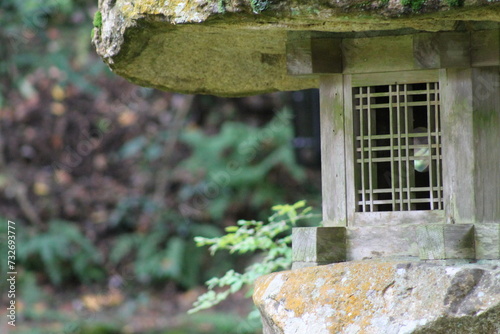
398,147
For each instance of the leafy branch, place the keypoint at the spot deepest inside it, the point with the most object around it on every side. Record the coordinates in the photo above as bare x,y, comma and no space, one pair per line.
249,236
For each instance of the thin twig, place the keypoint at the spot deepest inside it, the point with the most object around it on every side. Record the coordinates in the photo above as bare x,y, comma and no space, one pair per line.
164,175
20,191
26,207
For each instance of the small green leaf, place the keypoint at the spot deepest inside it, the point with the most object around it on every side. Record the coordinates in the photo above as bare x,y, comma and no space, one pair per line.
133,147
231,228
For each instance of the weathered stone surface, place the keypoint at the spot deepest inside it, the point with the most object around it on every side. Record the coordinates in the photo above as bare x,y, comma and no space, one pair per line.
382,297
237,47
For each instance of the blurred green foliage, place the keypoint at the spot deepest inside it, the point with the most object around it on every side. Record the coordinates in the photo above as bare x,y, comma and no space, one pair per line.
219,323
62,252
165,252
234,166
227,169
50,35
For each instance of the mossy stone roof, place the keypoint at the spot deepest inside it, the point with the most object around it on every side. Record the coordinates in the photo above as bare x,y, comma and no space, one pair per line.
238,47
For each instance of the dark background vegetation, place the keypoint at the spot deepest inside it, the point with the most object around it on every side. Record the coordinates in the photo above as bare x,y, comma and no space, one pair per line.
109,182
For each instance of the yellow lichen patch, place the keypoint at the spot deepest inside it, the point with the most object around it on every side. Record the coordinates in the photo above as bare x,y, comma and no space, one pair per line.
261,285
296,291
127,10
360,281
346,288
133,9
178,11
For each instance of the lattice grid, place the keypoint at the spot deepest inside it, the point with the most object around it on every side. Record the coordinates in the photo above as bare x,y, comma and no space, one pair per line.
398,147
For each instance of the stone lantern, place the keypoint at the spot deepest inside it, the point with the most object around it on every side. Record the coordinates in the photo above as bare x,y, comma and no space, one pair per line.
410,145
410,129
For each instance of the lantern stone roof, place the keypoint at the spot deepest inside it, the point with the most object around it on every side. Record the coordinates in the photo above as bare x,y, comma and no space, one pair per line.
238,47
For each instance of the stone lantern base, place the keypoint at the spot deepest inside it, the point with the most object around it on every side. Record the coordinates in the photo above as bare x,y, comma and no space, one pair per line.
386,297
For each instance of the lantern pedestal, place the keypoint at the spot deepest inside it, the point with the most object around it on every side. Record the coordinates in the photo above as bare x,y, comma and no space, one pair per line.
386,297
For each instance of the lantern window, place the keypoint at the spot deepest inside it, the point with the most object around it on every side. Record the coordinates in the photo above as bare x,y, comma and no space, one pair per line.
398,147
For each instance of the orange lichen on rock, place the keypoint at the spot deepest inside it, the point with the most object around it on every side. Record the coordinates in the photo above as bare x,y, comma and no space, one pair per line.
344,287
380,297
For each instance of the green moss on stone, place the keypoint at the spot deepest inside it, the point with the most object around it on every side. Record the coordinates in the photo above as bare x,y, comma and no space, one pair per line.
416,5
97,20
256,5
221,6
259,5
454,3
97,23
